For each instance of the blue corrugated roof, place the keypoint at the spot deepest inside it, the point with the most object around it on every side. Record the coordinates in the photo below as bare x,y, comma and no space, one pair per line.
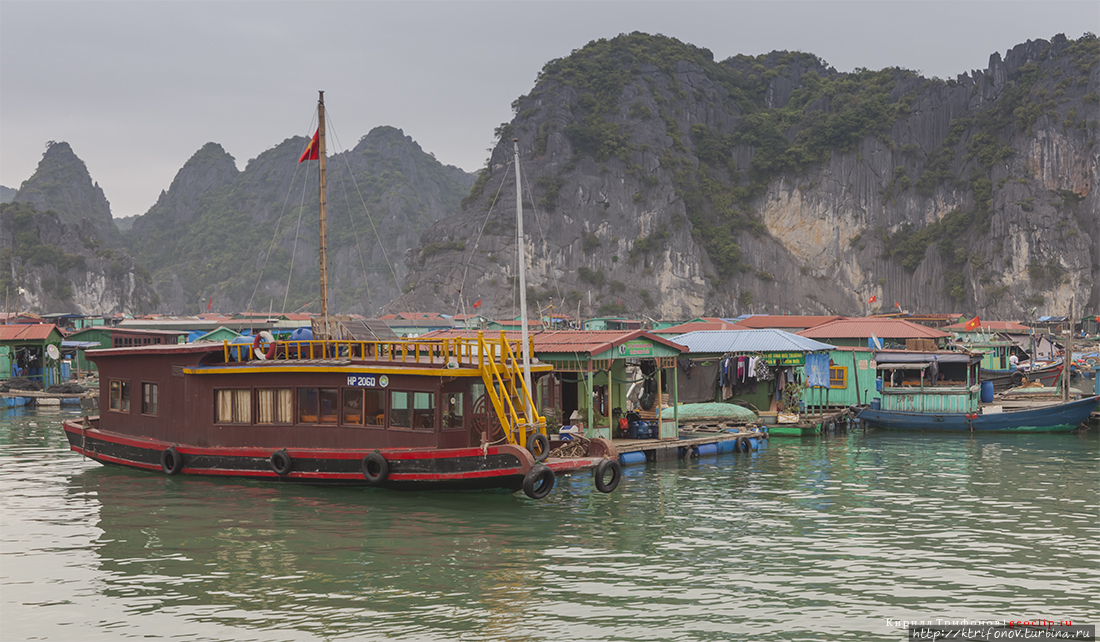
722,341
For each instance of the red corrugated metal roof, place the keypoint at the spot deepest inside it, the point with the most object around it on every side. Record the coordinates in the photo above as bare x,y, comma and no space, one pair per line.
994,326
864,328
784,321
27,331
590,342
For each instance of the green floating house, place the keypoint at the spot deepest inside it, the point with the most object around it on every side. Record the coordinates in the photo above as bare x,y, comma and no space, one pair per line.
851,363
32,351
115,337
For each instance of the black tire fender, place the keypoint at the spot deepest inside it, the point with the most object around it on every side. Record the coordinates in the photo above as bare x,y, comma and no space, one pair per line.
1017,378
171,461
543,451
538,482
604,485
281,462
375,468
743,445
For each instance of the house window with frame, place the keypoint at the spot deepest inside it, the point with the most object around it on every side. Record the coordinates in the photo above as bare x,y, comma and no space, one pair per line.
233,406
149,399
119,391
838,377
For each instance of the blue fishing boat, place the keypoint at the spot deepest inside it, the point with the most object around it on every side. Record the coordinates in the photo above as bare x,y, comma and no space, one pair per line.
942,391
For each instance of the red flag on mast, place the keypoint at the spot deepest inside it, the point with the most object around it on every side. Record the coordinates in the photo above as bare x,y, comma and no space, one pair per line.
313,152
972,324
477,304
874,297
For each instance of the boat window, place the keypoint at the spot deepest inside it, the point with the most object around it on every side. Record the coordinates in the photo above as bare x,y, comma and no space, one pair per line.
364,407
424,410
838,377
274,406
318,405
149,399
234,406
452,410
412,410
120,395
400,417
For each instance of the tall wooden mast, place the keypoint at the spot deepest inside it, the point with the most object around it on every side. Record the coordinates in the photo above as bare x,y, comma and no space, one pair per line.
324,229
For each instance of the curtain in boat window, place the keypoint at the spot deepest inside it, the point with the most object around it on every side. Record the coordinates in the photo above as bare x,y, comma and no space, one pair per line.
233,406
275,406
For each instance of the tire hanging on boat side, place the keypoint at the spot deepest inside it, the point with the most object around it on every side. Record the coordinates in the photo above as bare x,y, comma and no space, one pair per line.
604,485
171,462
281,462
543,450
375,468
538,482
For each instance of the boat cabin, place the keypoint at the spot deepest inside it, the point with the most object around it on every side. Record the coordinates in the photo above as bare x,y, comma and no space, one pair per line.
933,381
312,394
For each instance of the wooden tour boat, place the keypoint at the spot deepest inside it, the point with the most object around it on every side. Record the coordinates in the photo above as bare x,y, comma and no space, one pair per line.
941,391
451,414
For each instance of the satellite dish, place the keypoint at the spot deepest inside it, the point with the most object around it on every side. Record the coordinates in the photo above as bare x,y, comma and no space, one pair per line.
52,352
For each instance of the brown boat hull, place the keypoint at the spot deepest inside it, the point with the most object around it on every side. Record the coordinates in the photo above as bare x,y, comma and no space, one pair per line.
495,467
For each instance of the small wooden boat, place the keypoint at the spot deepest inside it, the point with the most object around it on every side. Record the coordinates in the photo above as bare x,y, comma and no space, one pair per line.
1005,379
1053,417
940,391
450,414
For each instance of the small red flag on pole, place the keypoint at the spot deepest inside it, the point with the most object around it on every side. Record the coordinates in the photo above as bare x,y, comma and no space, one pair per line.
874,297
477,304
208,303
972,324
313,152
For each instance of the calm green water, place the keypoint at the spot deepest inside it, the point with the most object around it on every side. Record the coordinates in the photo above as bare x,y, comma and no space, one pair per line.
808,539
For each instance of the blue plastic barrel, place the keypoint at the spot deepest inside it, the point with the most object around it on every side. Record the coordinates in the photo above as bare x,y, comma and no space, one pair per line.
987,391
753,443
727,446
637,457
876,404
878,385
706,449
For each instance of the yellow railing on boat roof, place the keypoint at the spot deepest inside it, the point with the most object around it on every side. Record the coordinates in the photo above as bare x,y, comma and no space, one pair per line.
451,352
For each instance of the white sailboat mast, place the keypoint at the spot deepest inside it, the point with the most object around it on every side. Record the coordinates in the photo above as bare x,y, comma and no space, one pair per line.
522,280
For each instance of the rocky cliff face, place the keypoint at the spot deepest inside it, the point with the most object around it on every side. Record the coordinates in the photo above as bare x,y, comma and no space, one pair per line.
49,266
61,183
60,248
659,182
239,238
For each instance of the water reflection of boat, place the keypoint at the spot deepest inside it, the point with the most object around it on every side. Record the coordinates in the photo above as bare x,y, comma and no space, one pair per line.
941,391
347,407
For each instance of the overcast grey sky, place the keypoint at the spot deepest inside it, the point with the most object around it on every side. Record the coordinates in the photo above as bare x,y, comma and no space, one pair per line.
138,87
